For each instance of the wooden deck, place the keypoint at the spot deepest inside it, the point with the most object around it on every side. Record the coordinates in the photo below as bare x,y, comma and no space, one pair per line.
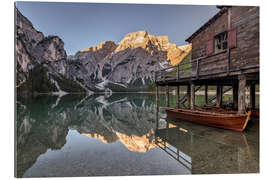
196,71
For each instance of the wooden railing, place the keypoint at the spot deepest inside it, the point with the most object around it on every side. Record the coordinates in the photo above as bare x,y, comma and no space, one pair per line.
191,68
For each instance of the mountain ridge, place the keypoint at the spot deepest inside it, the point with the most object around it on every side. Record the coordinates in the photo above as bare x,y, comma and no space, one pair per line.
107,67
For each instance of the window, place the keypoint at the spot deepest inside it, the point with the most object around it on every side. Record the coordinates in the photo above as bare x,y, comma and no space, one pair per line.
221,42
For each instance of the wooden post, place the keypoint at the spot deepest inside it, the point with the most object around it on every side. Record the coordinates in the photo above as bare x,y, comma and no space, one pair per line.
157,111
235,95
157,97
252,96
228,49
219,96
167,96
177,97
197,69
188,96
242,94
178,72
206,94
192,88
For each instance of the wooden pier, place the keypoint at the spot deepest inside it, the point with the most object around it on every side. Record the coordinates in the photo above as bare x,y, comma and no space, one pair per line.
225,52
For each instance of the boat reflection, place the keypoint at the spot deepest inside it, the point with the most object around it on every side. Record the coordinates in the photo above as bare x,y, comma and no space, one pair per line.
132,122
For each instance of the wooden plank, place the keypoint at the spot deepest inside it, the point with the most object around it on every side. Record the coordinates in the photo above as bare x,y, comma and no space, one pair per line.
232,38
167,96
188,96
229,61
192,91
157,97
206,94
178,71
177,97
242,94
219,96
252,96
209,47
235,95
229,17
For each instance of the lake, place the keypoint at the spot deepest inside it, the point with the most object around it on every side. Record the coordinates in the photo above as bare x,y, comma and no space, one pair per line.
124,134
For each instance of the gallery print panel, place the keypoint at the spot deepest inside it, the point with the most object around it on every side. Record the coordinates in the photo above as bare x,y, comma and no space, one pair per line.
106,89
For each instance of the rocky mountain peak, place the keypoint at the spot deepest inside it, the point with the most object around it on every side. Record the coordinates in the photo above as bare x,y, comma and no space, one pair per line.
97,53
139,39
26,32
152,44
107,67
107,45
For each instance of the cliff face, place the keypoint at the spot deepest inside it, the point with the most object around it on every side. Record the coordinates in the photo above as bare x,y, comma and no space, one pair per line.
26,39
85,65
128,66
51,50
44,123
40,61
43,65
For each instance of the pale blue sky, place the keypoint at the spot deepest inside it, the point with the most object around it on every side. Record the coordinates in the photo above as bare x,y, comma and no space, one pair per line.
81,25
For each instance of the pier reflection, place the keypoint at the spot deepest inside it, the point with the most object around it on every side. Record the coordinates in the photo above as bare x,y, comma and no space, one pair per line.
206,150
53,132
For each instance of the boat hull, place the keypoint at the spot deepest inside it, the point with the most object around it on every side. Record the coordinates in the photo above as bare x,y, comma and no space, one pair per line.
234,122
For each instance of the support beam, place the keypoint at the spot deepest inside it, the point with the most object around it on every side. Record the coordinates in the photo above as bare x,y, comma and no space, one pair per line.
235,95
252,96
177,97
157,117
167,96
188,96
242,94
192,91
206,94
157,97
219,96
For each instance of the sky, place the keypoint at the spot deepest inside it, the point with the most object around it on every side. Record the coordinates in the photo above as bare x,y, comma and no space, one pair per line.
81,25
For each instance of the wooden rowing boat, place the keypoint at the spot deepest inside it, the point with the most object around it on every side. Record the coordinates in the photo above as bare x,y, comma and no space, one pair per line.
225,120
255,113
215,109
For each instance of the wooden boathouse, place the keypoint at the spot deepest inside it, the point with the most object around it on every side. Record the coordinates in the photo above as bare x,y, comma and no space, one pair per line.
225,52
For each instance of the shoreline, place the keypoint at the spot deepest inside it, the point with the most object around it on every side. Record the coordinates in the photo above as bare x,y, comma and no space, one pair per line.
211,92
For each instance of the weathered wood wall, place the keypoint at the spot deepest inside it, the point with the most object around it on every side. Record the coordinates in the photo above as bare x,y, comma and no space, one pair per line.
199,41
246,21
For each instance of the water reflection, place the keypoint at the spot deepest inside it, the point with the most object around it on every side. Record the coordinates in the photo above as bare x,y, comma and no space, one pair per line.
206,150
44,122
76,135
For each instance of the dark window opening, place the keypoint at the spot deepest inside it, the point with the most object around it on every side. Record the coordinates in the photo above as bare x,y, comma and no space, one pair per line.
221,42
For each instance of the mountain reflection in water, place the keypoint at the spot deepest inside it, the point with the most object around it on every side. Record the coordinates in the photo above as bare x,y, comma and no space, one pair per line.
75,135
